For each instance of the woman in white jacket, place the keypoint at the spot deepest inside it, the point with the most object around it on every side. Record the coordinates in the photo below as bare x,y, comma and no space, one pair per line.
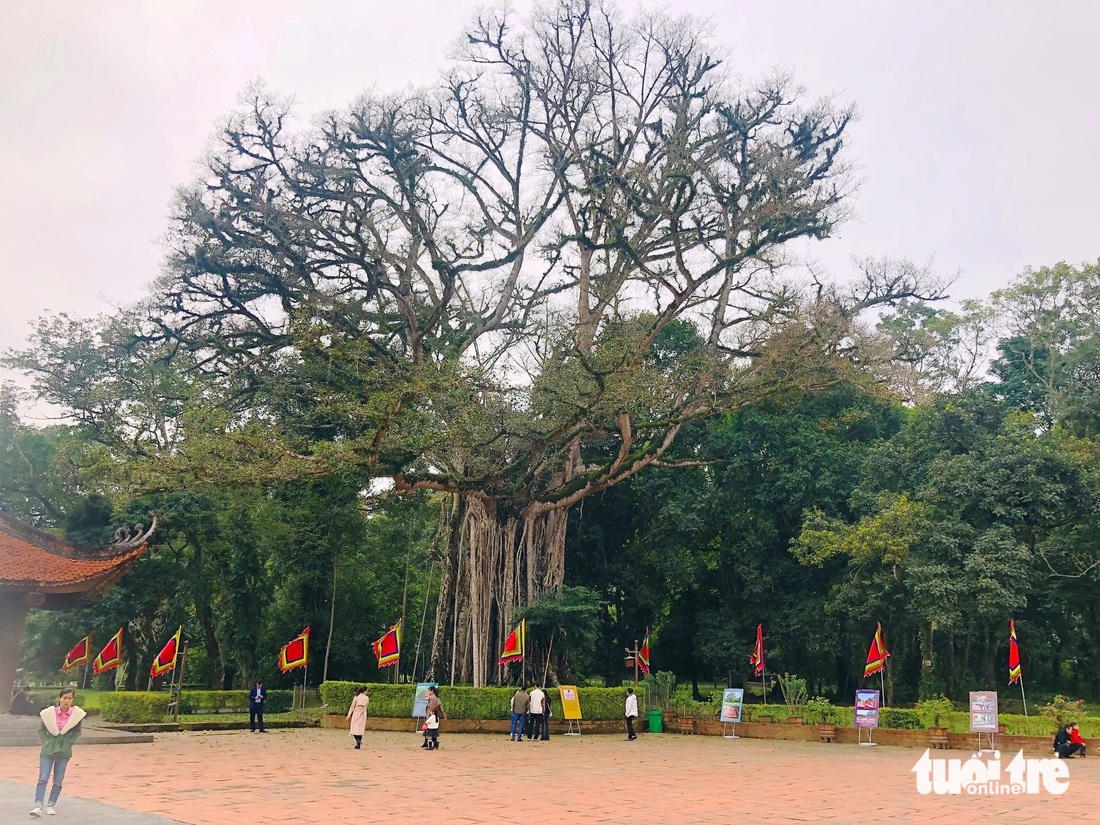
357,713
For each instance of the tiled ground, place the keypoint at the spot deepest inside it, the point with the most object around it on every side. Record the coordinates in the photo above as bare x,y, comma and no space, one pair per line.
315,776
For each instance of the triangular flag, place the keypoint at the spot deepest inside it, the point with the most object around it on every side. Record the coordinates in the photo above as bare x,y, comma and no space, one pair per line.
877,655
295,653
1015,671
388,648
79,655
514,645
757,657
166,659
111,655
643,654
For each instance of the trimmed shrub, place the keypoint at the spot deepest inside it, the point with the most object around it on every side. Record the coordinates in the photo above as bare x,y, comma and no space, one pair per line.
134,706
900,719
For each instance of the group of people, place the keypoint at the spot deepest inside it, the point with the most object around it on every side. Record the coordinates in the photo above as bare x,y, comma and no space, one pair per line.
357,718
531,713
1068,741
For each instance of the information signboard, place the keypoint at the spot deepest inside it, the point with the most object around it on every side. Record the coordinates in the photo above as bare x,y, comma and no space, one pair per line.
867,706
732,699
983,711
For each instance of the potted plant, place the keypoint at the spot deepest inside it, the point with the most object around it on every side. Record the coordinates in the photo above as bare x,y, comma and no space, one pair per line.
935,713
819,711
795,693
660,688
686,719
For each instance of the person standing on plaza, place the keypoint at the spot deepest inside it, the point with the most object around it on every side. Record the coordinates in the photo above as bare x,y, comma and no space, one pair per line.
547,714
434,708
520,704
538,698
357,713
60,729
431,732
631,714
256,698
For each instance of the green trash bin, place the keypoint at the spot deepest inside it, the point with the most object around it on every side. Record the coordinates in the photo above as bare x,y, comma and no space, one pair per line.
655,720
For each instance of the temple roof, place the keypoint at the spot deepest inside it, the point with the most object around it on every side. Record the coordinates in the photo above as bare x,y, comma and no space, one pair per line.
34,561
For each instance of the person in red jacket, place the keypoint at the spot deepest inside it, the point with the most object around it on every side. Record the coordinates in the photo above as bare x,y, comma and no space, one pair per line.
1075,738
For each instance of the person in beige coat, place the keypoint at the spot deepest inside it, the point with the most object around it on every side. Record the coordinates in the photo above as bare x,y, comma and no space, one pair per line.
357,713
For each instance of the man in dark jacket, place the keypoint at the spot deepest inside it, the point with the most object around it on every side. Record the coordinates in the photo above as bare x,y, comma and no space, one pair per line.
256,706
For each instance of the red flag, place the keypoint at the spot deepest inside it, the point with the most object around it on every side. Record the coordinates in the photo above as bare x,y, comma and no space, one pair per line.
166,659
1014,669
295,653
757,657
514,645
111,655
643,654
388,648
79,655
877,655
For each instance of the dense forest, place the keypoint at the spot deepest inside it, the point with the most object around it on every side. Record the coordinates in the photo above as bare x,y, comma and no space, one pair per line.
526,345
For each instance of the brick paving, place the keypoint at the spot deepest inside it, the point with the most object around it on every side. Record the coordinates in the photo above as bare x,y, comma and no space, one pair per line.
313,775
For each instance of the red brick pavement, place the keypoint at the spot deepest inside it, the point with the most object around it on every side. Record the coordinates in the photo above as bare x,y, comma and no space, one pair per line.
314,775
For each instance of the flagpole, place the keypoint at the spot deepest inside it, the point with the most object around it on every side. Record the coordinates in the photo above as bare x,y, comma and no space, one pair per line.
1022,697
179,681
882,677
764,684
549,650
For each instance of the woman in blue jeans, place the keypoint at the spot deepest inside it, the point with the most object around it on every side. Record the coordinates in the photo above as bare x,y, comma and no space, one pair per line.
60,729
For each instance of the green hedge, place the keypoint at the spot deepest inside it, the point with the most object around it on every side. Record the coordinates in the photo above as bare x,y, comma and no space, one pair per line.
900,719
134,706
232,701
45,698
461,702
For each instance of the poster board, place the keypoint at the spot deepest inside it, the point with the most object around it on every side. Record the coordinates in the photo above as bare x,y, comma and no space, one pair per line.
420,699
570,702
983,711
866,708
732,700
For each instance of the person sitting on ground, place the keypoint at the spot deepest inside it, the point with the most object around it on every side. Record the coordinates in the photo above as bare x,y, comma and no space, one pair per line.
1075,738
21,704
1063,744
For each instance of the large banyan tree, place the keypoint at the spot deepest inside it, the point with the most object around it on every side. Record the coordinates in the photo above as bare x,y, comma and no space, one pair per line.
514,287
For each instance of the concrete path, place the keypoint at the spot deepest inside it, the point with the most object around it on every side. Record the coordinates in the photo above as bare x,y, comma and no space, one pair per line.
314,775
16,802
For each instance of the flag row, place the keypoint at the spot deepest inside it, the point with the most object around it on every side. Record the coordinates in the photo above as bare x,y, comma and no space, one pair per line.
295,653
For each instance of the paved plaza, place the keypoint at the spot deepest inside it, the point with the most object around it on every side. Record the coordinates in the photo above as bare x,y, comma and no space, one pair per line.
314,776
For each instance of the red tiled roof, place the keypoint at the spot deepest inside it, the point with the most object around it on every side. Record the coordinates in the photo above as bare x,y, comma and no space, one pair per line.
31,558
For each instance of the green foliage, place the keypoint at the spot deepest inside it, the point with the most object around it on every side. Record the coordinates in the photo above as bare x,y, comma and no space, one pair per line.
232,701
900,719
935,711
1064,710
820,710
134,707
660,687
794,691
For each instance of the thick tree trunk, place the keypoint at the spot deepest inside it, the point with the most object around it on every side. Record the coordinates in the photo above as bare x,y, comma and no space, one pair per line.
491,564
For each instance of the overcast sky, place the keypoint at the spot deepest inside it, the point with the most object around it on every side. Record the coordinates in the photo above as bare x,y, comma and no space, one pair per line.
977,143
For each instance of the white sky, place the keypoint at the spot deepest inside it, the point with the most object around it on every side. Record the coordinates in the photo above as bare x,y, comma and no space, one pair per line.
977,142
